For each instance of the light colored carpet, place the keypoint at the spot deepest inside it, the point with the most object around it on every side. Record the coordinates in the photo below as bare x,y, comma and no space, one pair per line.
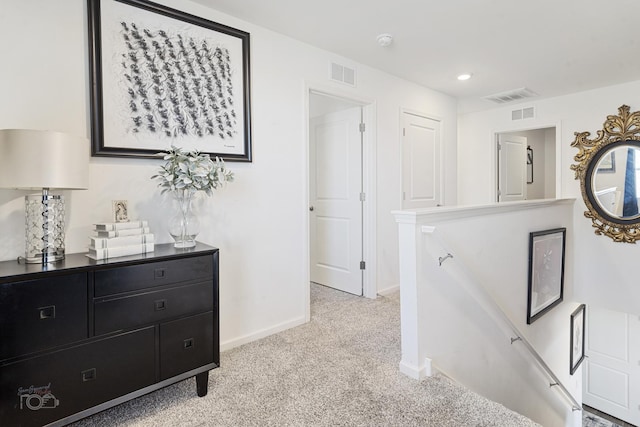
340,369
591,419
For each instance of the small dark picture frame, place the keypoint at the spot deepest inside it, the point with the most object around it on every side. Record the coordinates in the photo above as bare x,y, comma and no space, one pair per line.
529,165
577,341
546,271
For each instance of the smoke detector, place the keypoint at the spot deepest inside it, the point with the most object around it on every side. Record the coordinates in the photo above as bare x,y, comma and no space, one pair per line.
385,39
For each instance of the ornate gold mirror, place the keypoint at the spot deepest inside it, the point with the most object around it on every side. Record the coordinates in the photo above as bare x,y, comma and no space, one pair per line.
608,168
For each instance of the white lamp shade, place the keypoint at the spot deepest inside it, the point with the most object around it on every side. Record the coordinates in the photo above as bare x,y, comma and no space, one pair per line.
36,159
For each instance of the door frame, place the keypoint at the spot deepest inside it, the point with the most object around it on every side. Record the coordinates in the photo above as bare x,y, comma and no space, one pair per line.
513,129
369,237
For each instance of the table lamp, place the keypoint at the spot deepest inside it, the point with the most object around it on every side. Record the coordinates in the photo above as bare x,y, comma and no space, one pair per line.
43,160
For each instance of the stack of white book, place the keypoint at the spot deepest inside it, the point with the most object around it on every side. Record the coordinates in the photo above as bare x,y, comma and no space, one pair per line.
115,239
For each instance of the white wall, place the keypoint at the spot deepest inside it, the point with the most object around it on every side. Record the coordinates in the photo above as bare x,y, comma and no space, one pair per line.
320,105
602,267
260,221
446,318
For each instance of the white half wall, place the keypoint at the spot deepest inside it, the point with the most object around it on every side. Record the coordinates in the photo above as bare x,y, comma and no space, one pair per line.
602,266
448,305
259,221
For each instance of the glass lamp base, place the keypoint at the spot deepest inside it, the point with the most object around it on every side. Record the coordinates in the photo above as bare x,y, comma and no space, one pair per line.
44,228
43,258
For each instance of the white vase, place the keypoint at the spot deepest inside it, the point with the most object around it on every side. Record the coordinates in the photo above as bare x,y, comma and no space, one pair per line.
184,226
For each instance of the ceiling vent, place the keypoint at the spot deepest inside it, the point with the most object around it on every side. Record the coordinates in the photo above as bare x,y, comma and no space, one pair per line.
342,74
523,113
511,95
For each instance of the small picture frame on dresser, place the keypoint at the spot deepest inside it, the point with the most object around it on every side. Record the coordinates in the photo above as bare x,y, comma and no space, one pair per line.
120,211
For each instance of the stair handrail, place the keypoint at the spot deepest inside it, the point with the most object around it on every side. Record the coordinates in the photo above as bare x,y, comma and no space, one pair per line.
430,230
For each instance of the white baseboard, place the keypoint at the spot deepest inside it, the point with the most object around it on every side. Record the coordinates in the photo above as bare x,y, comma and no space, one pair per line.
389,290
417,372
236,342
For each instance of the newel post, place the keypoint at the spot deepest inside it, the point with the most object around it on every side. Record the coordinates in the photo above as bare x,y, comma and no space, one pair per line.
414,362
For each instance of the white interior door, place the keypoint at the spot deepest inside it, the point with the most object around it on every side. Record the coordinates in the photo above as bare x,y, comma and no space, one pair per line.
335,181
512,168
421,147
612,368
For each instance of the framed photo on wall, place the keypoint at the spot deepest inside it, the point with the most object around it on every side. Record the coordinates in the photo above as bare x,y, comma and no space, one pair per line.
577,345
546,271
529,165
162,77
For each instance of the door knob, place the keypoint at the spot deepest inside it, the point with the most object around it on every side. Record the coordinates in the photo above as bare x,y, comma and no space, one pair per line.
311,208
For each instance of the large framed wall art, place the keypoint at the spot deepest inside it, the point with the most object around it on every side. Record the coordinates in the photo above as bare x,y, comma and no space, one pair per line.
546,271
162,77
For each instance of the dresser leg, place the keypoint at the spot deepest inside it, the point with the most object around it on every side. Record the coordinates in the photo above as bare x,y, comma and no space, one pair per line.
202,383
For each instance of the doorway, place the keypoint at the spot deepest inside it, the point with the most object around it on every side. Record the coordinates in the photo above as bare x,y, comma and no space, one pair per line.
611,375
512,167
421,160
335,205
526,165
340,193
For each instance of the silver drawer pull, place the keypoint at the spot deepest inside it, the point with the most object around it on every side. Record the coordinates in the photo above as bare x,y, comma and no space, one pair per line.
48,312
88,375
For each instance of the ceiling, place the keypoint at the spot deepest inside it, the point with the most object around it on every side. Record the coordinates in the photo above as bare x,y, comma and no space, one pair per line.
552,47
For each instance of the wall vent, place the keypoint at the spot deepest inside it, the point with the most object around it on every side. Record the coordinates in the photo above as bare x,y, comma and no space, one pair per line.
516,115
511,95
342,74
523,113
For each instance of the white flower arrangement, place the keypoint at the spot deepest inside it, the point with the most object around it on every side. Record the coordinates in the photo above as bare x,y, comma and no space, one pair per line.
191,171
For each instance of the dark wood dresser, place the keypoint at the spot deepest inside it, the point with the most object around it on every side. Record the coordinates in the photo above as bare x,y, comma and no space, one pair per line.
81,336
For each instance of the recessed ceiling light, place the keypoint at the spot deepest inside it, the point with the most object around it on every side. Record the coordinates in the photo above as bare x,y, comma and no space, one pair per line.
463,77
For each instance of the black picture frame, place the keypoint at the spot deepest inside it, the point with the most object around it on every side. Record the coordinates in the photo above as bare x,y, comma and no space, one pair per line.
529,165
546,271
578,325
162,77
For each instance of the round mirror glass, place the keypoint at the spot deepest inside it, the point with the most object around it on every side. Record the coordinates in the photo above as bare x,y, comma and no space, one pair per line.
616,181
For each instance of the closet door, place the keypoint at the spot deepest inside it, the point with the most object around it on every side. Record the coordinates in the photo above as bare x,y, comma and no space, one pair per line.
612,368
421,148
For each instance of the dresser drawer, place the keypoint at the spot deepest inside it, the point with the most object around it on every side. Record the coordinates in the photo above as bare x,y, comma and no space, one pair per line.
47,388
43,313
117,313
136,277
186,344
